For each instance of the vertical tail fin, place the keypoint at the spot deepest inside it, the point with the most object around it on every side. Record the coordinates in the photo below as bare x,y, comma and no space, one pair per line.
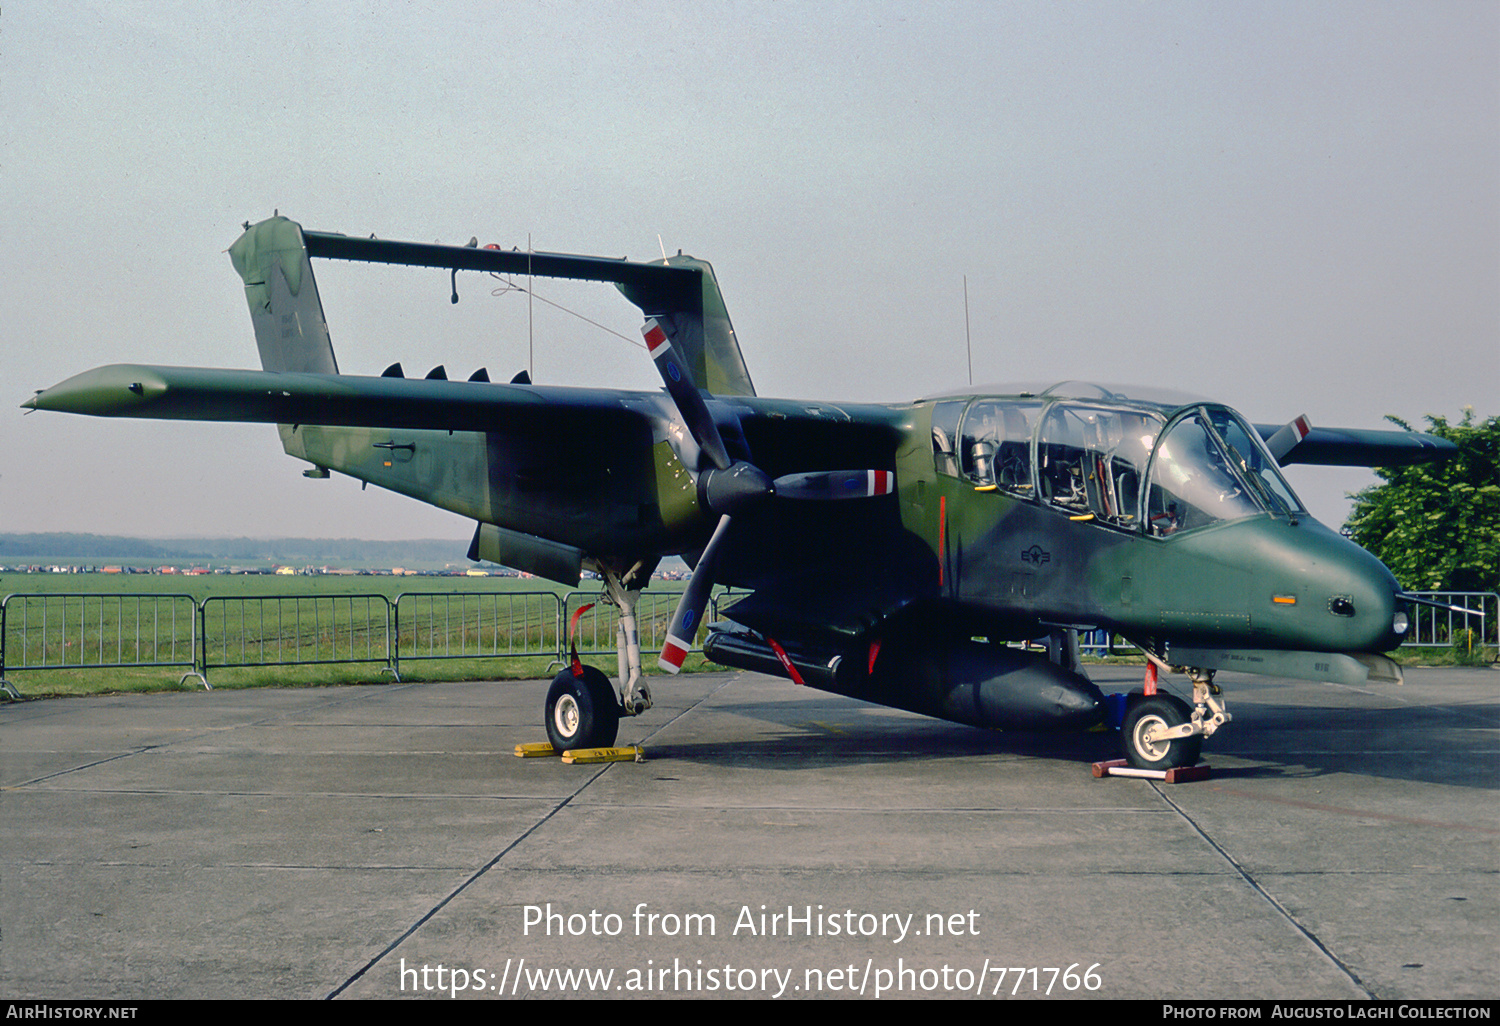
288,315
701,333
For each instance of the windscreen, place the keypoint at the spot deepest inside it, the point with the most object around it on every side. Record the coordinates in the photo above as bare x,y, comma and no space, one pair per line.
1209,467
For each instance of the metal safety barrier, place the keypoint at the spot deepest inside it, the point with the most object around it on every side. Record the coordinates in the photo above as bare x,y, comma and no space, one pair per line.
477,625
1448,628
294,630
75,630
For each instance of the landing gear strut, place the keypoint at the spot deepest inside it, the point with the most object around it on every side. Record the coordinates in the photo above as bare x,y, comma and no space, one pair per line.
583,708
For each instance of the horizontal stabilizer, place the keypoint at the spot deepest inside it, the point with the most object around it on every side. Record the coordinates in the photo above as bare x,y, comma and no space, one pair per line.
661,286
680,291
1353,447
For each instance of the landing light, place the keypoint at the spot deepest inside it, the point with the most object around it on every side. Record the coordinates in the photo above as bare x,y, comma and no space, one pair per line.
1400,622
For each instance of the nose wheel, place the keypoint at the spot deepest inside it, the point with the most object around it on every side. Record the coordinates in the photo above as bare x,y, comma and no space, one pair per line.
1147,734
1162,732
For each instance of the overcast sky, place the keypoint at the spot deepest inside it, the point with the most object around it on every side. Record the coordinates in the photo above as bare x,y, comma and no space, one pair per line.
1290,207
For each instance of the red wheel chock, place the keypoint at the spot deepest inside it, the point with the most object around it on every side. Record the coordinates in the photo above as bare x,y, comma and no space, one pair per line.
1176,775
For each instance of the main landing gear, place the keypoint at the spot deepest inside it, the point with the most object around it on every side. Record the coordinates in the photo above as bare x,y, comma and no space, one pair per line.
583,709
1162,732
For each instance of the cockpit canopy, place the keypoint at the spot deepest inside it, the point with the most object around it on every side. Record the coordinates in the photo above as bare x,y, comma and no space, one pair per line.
1136,460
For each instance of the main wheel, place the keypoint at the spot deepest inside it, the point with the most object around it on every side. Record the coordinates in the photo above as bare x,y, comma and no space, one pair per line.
1159,712
582,712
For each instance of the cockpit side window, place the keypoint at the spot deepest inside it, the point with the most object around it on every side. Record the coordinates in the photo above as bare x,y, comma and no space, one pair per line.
1194,482
1092,459
995,446
945,435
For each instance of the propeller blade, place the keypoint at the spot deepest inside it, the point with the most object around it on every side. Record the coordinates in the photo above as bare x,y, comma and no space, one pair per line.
684,392
1287,439
835,484
689,614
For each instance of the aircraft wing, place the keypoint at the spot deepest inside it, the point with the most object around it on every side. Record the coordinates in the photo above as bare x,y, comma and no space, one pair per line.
276,397
786,429
1356,447
576,466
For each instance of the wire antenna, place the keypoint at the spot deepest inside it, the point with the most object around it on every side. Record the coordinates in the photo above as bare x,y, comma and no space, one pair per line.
968,342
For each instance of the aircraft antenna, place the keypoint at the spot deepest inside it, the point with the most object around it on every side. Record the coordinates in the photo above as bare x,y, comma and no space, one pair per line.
530,330
968,342
511,286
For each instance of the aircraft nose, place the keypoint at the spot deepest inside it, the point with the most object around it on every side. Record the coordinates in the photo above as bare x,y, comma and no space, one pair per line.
1328,594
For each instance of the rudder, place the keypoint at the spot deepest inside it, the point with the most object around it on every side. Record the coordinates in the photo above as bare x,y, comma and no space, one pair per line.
290,329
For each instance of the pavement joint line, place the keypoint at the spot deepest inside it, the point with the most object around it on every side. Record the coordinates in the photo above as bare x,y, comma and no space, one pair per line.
603,768
892,810
420,796
74,769
1254,884
481,871
291,867
352,694
732,679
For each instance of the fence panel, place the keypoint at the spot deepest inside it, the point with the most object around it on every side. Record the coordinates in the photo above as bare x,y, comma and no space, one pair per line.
1446,628
477,625
286,630
74,630
96,631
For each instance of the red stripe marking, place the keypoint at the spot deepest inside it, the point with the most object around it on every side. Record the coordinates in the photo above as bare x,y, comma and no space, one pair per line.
786,662
672,654
942,536
656,338
577,665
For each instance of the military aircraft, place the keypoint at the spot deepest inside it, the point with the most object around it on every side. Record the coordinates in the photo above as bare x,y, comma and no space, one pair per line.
893,553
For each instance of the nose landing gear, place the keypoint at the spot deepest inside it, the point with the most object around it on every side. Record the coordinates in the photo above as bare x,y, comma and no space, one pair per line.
1145,734
1161,732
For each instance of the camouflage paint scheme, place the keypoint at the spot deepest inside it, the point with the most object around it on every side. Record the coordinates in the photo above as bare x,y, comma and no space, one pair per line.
903,599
